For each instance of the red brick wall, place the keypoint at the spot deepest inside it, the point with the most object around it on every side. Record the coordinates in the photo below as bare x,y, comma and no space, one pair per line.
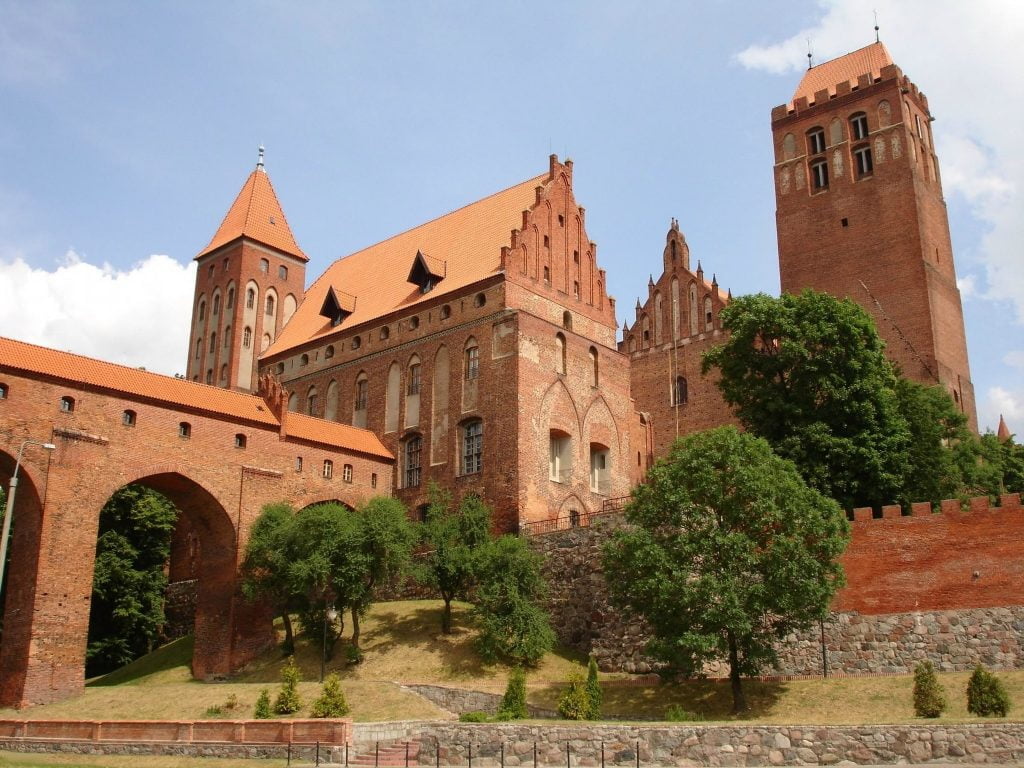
220,489
947,561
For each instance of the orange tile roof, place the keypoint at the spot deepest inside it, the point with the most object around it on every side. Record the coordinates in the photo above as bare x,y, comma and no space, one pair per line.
332,433
256,214
846,68
468,241
33,359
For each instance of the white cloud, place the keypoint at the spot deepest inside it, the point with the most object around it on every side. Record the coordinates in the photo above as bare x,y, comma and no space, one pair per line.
138,317
972,59
967,286
1000,401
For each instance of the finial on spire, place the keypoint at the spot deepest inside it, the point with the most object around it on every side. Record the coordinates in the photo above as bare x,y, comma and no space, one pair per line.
259,162
809,55
876,27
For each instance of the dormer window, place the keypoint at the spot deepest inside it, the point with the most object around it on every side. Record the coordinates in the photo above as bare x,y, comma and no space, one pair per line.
337,306
426,272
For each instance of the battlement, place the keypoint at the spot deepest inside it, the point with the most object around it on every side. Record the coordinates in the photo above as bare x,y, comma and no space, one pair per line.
802,102
1009,502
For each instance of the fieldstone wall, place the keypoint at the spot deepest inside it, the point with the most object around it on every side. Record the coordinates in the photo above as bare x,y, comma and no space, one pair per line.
592,745
459,700
180,609
584,618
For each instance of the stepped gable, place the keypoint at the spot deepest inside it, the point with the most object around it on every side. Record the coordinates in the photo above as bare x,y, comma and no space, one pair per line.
845,69
180,393
464,246
256,214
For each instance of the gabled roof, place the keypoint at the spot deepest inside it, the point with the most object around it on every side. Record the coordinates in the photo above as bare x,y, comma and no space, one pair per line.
135,382
337,304
847,68
257,215
468,241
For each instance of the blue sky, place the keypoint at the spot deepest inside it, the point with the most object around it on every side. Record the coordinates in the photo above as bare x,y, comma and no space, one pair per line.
126,130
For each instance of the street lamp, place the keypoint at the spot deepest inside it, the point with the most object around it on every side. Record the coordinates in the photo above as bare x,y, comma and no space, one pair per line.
9,511
330,614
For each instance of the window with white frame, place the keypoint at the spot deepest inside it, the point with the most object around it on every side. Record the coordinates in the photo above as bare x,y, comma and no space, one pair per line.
559,457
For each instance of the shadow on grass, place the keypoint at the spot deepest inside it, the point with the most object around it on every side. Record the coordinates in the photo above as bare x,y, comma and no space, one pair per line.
711,700
177,653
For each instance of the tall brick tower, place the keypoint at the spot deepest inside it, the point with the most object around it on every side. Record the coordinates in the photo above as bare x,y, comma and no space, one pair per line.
860,211
250,279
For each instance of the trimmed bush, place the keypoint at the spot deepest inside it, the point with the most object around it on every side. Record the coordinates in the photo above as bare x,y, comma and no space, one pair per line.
929,695
262,709
473,717
986,696
594,696
677,714
513,703
332,699
288,700
575,704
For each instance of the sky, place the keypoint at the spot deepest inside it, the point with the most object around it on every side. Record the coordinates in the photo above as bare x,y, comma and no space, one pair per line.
127,129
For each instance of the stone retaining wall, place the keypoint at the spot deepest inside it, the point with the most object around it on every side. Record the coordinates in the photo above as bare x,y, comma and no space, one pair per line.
459,700
584,619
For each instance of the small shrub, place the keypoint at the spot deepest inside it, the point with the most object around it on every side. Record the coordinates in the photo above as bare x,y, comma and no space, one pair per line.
474,717
214,711
929,696
594,696
575,704
232,703
288,700
353,655
986,696
332,699
677,714
513,703
262,709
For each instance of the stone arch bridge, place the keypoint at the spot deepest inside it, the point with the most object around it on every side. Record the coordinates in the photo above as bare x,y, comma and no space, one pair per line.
218,455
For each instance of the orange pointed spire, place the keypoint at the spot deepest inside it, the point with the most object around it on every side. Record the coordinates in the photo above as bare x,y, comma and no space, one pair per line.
1003,433
257,215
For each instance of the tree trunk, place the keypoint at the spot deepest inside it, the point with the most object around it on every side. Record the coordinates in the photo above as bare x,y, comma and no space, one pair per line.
289,634
355,626
446,616
739,702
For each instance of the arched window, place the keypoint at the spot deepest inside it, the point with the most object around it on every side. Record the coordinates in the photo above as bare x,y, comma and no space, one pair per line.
709,318
240,440
264,266
412,385
560,353
600,479
567,320
472,447
270,305
209,375
331,406
224,373
199,348
412,455
247,337
304,360
446,312
282,272
329,352
547,275
414,323
816,140
128,418
859,126
362,396
250,298
231,297
293,402
357,342
213,342
559,456
298,463
788,146
328,472
346,473
227,336
216,304
67,404
479,300
680,391
385,333
659,317
184,430
311,403
472,355
595,371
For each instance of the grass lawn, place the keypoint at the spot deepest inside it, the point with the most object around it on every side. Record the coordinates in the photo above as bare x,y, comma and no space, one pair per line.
403,643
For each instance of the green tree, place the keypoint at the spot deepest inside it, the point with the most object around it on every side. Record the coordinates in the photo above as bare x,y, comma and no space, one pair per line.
594,695
265,567
262,711
808,374
986,695
387,541
127,608
729,551
507,608
288,700
574,703
513,703
331,702
929,695
453,538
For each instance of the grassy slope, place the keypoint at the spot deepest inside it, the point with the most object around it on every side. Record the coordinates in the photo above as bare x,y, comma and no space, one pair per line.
402,642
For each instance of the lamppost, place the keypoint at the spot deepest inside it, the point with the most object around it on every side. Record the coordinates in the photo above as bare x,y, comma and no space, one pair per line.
9,511
330,614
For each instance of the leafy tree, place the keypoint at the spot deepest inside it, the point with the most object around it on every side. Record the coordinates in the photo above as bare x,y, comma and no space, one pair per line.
265,567
929,695
808,374
513,703
288,700
729,551
127,609
574,703
387,541
594,695
453,538
986,696
262,711
331,702
508,594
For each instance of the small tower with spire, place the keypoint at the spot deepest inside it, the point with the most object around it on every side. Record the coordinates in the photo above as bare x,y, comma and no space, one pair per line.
249,280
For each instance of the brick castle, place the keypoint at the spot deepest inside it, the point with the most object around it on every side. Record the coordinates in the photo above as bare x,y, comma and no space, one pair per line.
478,351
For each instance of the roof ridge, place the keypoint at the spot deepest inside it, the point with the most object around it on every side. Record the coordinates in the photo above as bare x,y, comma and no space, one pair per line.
850,53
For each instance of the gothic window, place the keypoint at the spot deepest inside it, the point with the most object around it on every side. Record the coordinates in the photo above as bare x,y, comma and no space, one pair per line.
329,352
231,298
224,373
209,375
362,392
819,175
472,447
413,382
293,402
412,456
788,147
680,391
559,353
331,405
250,298
202,310
595,370
862,160
264,266
472,362
227,337
128,418
709,318
199,348
270,305
216,304
859,126
311,397
213,342
816,141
